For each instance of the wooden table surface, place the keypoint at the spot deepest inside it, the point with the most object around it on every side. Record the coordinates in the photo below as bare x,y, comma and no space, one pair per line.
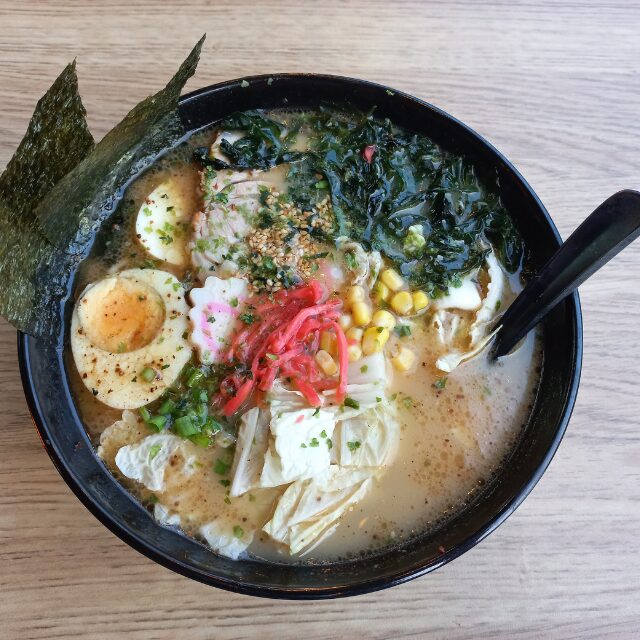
556,87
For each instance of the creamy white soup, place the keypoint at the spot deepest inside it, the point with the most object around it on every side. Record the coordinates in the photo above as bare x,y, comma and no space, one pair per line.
279,344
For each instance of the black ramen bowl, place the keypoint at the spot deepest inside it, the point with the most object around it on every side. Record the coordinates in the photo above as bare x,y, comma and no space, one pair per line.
46,381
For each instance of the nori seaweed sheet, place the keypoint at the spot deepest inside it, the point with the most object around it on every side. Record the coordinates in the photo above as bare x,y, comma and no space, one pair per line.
71,213
57,138
59,187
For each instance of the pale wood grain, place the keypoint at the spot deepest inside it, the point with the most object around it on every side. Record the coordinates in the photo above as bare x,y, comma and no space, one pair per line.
556,86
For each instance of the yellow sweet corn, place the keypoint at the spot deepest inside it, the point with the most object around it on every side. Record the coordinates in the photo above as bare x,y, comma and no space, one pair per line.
345,321
402,303
354,352
355,294
392,279
384,319
329,342
404,359
326,363
361,313
374,340
381,292
354,335
420,300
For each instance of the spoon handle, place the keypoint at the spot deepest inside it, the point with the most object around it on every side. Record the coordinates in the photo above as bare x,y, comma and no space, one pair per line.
608,230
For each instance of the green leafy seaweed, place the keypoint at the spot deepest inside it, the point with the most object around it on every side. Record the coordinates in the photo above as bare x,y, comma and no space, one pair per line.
382,181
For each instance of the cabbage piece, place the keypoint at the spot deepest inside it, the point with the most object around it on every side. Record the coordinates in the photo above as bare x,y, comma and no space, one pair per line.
363,265
491,303
309,509
299,446
367,382
147,460
465,297
164,516
225,539
479,332
447,325
253,438
368,370
128,430
369,439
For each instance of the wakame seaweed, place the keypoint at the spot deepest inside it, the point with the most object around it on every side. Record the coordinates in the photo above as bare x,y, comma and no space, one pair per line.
402,180
59,186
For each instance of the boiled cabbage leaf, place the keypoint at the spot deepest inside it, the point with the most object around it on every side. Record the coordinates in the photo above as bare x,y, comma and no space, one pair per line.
310,508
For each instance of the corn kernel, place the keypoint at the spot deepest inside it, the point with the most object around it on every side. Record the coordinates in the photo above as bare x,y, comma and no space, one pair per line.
381,292
374,340
354,335
354,352
392,279
402,303
329,342
355,294
345,321
384,319
361,313
420,300
404,359
326,363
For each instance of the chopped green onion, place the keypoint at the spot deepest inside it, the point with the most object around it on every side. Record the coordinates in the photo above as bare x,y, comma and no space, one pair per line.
168,406
211,425
238,531
148,374
353,445
158,422
221,467
402,330
350,402
200,439
440,383
184,427
145,414
195,378
154,451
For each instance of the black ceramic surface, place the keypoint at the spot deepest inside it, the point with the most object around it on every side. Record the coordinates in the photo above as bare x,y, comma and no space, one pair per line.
47,389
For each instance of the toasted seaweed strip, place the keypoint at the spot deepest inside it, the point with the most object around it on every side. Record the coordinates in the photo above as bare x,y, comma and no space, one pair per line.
57,138
62,188
76,206
21,252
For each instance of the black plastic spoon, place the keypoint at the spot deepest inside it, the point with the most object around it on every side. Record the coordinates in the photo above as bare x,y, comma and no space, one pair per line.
606,232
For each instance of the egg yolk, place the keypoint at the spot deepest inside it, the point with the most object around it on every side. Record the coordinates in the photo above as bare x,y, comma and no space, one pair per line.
121,314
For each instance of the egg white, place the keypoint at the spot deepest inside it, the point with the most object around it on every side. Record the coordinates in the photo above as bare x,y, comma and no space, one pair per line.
115,378
163,221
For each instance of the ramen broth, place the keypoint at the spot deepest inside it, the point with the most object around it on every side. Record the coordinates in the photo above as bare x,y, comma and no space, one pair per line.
454,428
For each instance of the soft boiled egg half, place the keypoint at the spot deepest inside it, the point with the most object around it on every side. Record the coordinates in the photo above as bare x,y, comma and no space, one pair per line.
129,336
162,224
